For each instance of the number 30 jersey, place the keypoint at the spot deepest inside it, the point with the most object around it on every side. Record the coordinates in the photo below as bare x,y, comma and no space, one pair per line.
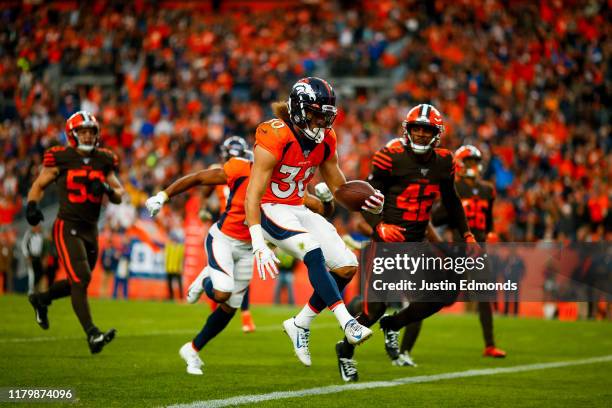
76,173
410,185
297,160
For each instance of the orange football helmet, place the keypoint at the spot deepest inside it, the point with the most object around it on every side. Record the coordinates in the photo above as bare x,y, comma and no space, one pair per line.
468,152
82,119
427,116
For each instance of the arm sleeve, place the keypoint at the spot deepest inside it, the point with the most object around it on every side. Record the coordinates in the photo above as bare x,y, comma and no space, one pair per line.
453,206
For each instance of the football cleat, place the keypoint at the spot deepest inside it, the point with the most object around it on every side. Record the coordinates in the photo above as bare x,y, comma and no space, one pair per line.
299,339
356,333
40,311
391,343
492,351
248,326
192,358
197,287
347,366
97,340
404,360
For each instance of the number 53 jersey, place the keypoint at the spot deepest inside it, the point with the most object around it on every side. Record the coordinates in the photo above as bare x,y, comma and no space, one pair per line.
76,174
410,185
297,160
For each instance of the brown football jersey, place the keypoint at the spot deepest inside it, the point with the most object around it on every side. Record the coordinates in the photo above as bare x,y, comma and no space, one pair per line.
410,185
76,173
477,199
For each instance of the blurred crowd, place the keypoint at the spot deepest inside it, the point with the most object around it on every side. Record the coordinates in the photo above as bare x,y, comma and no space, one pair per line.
528,82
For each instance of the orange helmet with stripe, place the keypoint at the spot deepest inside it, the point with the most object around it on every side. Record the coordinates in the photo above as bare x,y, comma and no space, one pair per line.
78,120
427,116
465,168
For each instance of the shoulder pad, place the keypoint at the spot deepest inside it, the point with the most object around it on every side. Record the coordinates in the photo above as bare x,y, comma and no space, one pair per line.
395,146
382,159
111,155
50,156
443,152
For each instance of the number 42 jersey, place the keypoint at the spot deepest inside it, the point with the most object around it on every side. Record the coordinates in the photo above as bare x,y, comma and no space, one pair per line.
410,185
76,173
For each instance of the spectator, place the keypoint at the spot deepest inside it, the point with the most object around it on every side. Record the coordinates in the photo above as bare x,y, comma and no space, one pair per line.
122,273
174,255
110,260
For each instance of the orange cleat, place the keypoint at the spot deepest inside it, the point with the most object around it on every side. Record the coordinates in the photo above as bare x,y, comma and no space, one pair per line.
247,322
494,352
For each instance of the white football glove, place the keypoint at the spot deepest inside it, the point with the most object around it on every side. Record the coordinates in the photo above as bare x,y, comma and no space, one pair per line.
155,203
374,204
264,256
323,193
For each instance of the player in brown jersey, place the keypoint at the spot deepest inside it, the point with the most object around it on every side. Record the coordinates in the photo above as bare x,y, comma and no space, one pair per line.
477,197
411,173
83,174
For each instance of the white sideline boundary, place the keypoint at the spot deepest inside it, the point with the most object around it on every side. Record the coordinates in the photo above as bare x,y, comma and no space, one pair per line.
332,389
37,339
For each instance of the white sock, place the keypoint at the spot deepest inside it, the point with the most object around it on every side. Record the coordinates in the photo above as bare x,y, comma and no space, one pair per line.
305,317
342,314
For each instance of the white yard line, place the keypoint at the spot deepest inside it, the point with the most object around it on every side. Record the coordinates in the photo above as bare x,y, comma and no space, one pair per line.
36,339
332,389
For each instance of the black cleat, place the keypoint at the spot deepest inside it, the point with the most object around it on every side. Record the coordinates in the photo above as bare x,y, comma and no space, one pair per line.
391,341
40,310
97,340
346,365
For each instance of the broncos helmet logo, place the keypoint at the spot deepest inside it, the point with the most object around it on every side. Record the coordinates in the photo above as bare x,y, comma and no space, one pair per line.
304,88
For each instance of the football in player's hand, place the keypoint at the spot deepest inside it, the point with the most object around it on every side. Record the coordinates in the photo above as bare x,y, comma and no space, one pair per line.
352,195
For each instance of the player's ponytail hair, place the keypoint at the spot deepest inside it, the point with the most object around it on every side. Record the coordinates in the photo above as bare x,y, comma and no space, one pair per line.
281,110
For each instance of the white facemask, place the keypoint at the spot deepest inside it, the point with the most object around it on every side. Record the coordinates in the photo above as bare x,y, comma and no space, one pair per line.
85,148
422,149
316,134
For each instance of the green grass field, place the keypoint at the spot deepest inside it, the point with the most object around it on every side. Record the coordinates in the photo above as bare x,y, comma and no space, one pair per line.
142,367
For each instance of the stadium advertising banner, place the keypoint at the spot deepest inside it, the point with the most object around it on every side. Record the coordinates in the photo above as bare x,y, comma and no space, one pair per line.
145,262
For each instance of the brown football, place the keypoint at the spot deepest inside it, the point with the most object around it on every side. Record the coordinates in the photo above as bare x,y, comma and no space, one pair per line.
352,195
